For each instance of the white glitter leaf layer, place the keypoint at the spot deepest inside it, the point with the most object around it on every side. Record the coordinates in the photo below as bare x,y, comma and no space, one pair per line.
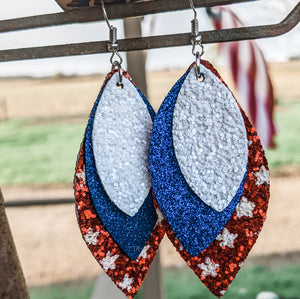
209,138
121,136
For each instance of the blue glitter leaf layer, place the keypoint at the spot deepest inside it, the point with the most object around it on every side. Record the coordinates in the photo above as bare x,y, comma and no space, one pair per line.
193,222
130,233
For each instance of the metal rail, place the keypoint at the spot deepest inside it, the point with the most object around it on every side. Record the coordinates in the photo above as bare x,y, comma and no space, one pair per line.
37,202
114,11
145,43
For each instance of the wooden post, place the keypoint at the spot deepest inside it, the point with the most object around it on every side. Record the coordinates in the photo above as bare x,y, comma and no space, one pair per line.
12,281
137,70
152,285
136,59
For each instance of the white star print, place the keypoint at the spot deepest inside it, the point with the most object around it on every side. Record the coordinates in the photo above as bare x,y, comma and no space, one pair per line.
143,254
160,216
180,247
109,261
226,238
208,268
262,176
90,237
126,283
245,208
81,175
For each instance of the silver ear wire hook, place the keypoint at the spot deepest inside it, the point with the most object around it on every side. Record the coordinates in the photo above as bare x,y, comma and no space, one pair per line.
113,47
196,41
194,9
105,14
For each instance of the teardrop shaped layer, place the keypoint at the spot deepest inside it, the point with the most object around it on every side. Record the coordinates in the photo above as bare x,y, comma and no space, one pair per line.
194,223
126,273
121,137
209,138
130,230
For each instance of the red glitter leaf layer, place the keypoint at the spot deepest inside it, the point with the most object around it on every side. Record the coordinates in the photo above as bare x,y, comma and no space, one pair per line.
127,274
218,264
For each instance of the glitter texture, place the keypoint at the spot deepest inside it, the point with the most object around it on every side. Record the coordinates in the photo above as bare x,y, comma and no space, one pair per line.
245,208
127,274
121,137
109,261
131,233
91,237
193,222
209,139
208,268
226,238
246,226
126,283
262,176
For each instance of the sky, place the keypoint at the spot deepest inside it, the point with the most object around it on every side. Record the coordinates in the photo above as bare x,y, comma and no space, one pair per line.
253,13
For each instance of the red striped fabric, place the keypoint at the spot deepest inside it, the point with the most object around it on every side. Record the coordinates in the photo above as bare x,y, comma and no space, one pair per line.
250,75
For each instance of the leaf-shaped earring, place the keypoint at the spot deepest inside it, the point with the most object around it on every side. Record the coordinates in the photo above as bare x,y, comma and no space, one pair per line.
112,183
209,175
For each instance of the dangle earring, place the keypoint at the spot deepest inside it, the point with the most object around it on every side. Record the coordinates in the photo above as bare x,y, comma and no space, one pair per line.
114,201
209,173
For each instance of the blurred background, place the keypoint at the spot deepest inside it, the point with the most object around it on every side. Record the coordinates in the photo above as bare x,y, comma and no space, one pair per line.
44,108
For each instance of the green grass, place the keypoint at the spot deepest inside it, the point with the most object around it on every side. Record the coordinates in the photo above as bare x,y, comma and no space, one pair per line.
82,290
38,154
283,281
35,153
183,284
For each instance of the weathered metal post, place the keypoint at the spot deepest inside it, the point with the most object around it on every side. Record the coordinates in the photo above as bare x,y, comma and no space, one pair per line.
12,281
136,63
137,69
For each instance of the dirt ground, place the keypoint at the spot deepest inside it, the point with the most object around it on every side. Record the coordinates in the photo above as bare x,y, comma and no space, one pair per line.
62,96
48,239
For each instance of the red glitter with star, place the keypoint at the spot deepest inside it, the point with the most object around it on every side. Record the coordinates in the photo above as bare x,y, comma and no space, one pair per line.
127,274
218,264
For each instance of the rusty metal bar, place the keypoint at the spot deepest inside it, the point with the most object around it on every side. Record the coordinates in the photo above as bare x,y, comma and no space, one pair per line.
37,202
144,43
114,11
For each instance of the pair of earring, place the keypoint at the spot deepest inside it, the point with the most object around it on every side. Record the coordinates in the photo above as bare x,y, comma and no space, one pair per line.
196,171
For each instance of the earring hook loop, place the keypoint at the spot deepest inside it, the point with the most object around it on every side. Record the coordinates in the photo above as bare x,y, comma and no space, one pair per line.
114,61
